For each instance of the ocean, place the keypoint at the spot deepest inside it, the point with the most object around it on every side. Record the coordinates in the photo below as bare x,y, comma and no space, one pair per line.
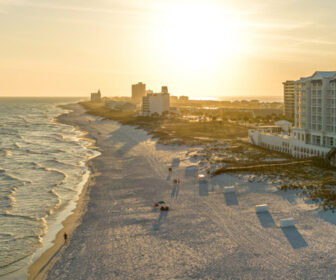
42,171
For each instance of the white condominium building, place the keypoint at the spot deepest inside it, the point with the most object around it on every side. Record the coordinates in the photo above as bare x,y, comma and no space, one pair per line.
315,109
156,102
314,130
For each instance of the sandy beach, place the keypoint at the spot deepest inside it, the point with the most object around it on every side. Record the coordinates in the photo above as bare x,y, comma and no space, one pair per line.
116,233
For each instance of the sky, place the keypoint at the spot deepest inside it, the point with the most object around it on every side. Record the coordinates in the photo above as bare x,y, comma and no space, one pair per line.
200,48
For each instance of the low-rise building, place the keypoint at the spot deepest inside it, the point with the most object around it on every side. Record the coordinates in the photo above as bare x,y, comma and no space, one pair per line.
120,105
173,98
184,98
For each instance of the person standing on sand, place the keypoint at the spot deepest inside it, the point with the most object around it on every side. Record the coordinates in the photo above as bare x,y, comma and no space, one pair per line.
65,237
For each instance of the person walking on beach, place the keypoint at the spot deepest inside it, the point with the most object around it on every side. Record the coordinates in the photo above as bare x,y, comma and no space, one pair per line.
65,237
170,170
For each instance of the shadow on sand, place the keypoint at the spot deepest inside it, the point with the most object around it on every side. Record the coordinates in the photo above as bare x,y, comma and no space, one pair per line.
175,192
294,237
190,171
160,220
203,189
50,260
230,199
265,219
123,137
175,162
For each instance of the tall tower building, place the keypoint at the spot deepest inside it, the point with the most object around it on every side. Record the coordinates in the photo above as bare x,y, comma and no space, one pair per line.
289,100
96,96
164,89
138,91
315,109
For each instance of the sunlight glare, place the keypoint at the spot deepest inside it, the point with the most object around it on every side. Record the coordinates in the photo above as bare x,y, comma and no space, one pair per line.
201,35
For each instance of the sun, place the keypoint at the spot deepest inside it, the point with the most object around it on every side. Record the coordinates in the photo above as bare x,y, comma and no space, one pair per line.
201,35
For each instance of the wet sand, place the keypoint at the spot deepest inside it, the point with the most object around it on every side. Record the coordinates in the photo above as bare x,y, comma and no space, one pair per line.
206,234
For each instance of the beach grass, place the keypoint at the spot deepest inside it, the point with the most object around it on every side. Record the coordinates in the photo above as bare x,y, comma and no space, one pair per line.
170,130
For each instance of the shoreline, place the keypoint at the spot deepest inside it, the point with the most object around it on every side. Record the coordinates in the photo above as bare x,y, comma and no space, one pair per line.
39,268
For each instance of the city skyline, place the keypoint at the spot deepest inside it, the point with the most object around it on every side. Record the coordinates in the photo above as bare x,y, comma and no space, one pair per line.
198,48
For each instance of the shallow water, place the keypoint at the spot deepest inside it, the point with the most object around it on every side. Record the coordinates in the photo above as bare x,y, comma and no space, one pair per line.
42,168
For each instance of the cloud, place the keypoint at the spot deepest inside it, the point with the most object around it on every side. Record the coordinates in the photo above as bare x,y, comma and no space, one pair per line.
282,26
114,8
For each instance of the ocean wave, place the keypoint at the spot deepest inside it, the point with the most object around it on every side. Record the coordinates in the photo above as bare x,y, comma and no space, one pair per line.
57,205
4,235
44,229
5,153
50,151
7,176
8,237
38,166
57,161
18,145
39,138
12,199
30,151
13,262
44,149
56,171
41,223
10,215
9,131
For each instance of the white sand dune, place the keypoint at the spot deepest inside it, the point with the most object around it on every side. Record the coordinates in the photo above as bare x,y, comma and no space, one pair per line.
206,235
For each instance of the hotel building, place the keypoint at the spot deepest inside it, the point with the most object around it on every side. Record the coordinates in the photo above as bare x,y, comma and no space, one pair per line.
314,130
156,102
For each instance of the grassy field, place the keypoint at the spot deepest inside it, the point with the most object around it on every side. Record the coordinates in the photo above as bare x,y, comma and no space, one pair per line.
171,130
206,130
97,109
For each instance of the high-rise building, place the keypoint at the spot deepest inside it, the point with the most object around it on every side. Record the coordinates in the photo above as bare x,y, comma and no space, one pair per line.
315,109
314,130
164,89
96,96
289,92
138,91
